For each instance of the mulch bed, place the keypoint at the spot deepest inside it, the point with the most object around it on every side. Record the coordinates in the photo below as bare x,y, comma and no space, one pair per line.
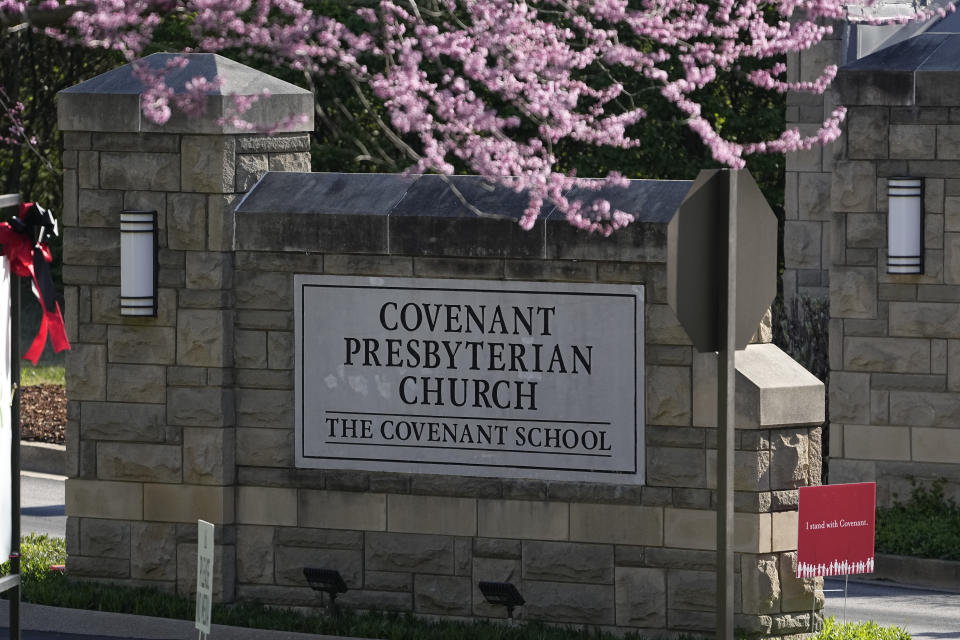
43,413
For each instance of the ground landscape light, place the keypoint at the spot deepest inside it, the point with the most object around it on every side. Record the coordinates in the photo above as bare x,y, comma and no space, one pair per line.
138,263
905,225
503,594
328,581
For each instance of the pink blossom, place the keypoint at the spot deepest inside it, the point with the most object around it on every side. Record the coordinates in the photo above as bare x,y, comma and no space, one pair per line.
494,85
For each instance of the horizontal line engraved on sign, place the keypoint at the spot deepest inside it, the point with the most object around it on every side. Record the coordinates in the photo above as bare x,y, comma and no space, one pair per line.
417,415
468,448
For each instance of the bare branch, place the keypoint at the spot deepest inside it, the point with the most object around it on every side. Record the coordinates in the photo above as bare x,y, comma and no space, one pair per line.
470,206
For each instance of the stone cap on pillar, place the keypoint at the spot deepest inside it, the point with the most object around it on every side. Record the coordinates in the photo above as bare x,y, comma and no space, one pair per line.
774,390
923,71
111,102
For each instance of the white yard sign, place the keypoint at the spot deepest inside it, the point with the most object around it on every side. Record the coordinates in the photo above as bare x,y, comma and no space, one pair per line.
470,377
6,428
204,575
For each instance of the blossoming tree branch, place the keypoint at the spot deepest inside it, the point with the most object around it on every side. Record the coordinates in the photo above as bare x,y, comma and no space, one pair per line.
494,86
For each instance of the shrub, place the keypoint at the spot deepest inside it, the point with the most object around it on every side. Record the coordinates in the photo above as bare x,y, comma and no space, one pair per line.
37,553
833,630
927,525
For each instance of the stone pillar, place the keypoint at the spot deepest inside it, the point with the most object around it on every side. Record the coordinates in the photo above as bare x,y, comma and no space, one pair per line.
807,231
895,338
151,418
780,410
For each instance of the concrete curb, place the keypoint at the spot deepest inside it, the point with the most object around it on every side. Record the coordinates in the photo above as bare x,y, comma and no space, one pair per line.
43,457
918,572
101,624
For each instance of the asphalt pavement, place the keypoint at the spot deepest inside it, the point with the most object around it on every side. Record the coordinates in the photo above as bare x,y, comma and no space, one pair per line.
42,635
42,506
53,623
925,614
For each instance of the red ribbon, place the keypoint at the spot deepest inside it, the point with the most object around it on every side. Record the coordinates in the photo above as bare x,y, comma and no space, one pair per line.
20,249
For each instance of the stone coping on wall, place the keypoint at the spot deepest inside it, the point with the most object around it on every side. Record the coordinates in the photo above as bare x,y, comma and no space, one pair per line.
423,216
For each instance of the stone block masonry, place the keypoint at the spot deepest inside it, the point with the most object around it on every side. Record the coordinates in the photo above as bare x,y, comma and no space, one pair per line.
190,415
894,338
808,239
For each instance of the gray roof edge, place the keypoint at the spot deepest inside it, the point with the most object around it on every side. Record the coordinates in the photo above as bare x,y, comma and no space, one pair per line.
288,192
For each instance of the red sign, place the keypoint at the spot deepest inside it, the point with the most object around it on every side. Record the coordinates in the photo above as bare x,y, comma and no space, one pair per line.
836,530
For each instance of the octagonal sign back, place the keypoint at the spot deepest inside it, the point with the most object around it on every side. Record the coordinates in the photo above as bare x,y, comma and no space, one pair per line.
697,255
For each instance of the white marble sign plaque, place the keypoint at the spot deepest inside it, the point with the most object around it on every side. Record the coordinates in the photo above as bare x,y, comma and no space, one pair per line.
470,377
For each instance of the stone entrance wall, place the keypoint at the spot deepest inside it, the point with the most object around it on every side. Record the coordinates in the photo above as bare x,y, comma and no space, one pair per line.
190,415
895,339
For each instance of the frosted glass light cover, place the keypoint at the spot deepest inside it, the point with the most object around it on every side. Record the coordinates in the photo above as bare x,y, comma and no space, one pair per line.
138,280
905,225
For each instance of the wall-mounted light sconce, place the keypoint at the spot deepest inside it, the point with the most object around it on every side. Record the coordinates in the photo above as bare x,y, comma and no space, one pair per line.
905,225
502,594
138,263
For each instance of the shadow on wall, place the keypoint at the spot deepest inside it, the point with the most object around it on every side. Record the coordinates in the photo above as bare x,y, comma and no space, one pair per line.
801,329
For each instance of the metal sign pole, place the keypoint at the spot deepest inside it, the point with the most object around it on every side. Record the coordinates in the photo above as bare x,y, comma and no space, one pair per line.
702,289
726,416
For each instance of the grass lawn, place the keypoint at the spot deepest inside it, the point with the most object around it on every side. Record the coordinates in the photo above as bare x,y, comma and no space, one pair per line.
43,374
